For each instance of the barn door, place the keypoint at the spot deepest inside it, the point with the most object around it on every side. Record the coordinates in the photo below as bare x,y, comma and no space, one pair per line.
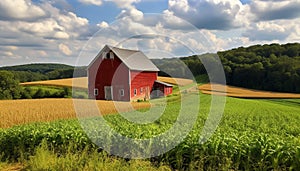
108,92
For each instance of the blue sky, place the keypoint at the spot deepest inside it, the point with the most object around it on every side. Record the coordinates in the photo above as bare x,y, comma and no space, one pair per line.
66,31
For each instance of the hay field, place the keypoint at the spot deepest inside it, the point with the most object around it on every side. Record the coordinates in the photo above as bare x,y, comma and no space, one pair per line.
17,112
232,91
175,81
81,82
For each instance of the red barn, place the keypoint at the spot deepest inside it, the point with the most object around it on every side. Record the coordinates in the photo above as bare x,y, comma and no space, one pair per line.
124,75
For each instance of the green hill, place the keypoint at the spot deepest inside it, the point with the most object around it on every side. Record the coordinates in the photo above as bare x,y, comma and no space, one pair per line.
44,71
42,68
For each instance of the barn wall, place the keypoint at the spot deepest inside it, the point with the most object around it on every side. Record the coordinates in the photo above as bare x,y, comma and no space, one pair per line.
109,72
142,80
168,90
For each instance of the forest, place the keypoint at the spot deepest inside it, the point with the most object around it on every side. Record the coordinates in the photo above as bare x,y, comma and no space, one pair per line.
271,67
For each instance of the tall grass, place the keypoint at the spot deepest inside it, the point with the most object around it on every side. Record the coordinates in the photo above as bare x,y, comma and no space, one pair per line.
45,159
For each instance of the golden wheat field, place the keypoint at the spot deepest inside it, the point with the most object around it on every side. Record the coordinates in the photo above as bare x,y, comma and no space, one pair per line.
232,91
16,112
82,82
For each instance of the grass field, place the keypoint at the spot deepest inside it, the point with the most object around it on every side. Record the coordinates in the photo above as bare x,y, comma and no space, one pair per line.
253,135
232,91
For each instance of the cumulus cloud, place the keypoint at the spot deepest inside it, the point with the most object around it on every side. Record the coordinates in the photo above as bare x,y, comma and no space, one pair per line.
91,2
265,10
134,13
103,24
210,14
20,10
65,49
267,31
128,4
44,32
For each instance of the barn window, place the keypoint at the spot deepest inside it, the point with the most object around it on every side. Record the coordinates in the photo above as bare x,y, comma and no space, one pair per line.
96,92
109,55
135,92
142,89
121,92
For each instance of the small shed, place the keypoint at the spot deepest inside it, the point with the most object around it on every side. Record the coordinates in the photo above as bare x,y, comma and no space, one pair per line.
161,89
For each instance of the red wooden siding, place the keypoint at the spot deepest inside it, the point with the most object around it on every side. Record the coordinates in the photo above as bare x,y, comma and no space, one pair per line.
142,82
160,90
109,72
120,81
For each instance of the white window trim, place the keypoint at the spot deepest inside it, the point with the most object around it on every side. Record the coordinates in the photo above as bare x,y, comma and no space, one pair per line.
111,55
135,92
111,92
96,92
122,92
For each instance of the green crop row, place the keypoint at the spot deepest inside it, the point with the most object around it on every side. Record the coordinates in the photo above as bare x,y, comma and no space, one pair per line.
253,135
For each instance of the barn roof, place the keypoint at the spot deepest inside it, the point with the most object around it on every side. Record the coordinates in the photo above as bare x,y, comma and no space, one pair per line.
133,59
166,84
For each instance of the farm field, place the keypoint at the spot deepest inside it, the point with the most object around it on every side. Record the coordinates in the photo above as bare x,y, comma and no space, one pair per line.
82,82
16,112
232,91
253,135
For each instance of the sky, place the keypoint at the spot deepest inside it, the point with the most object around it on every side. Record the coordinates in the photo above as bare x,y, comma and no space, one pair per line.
74,31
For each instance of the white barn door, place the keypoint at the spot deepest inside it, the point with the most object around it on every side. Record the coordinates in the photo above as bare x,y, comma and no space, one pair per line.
108,90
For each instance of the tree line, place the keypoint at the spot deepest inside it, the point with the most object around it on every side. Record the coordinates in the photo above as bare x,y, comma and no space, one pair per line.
10,89
272,67
39,72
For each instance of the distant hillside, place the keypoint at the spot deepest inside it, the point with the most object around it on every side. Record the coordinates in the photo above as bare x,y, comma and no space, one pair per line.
42,68
46,71
272,67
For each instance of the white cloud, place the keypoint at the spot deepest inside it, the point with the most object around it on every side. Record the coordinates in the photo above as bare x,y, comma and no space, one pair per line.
42,53
124,3
272,10
91,2
268,31
20,10
210,14
65,49
48,33
133,13
103,24
8,53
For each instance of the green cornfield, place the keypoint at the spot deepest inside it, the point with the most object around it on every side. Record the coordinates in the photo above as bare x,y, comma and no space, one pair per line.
252,135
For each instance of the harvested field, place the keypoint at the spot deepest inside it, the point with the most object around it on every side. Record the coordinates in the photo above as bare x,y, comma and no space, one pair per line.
82,82
16,112
232,91
175,81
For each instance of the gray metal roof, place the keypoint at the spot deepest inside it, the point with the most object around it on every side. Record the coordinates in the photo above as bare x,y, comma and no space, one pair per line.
133,59
160,82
